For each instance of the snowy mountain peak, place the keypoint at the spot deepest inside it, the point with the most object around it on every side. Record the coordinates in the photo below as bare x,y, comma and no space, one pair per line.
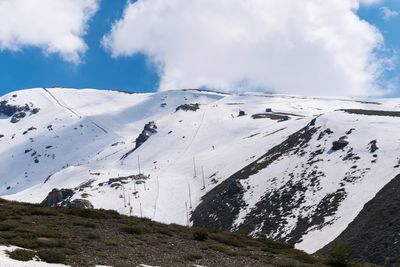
293,168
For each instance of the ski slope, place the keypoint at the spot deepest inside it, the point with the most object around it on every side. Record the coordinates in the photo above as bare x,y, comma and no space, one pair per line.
78,140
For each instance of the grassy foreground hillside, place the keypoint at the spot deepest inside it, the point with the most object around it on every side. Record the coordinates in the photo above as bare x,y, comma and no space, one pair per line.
86,237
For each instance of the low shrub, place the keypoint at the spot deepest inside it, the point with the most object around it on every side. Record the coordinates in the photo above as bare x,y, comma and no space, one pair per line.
51,256
6,226
193,257
227,239
133,230
40,211
200,234
21,254
224,250
93,236
49,242
85,224
340,256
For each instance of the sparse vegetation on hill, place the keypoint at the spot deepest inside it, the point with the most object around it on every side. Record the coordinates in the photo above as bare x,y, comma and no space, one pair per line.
84,237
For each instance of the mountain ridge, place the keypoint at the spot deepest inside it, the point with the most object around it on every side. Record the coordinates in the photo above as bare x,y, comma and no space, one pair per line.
289,173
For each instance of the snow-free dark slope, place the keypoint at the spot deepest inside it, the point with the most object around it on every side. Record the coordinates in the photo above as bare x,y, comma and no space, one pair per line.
374,234
293,168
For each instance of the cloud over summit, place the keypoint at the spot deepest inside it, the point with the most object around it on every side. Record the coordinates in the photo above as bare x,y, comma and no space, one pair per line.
56,26
304,47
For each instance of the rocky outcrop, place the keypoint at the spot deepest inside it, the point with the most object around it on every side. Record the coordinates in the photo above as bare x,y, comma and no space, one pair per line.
339,144
221,206
80,203
16,112
62,198
188,107
57,196
149,129
372,146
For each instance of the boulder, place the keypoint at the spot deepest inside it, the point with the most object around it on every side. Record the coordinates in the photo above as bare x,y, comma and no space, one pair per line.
57,196
79,203
188,107
339,144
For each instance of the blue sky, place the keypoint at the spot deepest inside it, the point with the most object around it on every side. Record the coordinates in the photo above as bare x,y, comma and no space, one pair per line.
391,32
30,67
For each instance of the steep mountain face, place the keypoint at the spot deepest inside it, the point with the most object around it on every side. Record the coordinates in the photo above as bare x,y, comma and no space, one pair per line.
374,234
297,169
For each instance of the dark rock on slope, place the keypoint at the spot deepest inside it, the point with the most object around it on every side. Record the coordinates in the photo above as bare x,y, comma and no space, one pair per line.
56,196
16,112
62,198
221,206
374,235
339,144
188,107
149,129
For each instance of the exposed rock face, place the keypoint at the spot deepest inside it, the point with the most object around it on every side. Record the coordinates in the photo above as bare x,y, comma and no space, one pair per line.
221,206
80,203
339,144
241,113
62,198
372,146
374,233
57,196
188,107
149,129
8,109
16,112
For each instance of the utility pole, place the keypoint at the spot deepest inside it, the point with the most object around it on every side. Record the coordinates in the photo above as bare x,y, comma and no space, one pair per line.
138,160
129,197
202,172
190,197
141,214
187,215
123,190
194,168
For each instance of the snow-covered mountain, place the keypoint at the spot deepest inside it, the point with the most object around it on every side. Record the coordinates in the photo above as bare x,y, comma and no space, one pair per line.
294,168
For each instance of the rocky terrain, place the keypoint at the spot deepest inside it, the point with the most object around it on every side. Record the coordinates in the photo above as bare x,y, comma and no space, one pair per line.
301,170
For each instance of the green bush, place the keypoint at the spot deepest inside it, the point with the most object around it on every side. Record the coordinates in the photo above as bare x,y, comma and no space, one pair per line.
6,226
193,257
92,213
340,256
21,254
275,244
49,242
93,236
224,250
85,224
51,256
40,211
200,234
227,239
133,230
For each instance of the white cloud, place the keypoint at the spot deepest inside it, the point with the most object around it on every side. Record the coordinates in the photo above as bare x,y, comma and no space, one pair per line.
56,26
388,13
304,46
